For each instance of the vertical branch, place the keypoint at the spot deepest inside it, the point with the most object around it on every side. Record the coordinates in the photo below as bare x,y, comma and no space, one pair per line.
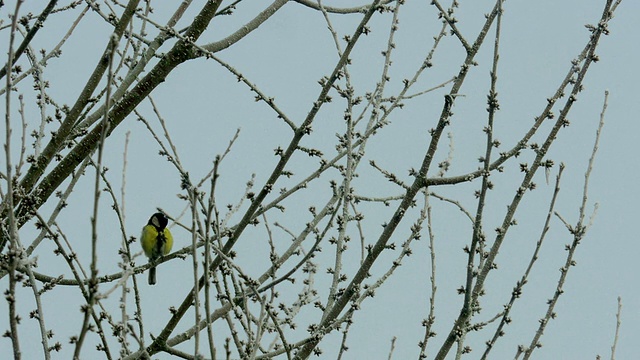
15,253
212,221
594,151
343,220
23,142
93,281
193,194
431,318
79,275
353,159
44,336
125,248
478,234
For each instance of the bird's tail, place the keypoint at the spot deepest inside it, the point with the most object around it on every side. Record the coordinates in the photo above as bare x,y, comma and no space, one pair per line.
152,275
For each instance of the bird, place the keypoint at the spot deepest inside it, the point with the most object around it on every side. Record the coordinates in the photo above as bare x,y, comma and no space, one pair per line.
156,241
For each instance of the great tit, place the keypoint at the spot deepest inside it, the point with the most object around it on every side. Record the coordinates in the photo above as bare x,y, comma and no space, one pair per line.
156,241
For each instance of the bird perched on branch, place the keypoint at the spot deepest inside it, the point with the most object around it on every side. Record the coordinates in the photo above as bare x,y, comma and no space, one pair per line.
156,241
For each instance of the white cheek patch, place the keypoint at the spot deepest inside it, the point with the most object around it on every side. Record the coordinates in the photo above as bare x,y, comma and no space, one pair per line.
155,222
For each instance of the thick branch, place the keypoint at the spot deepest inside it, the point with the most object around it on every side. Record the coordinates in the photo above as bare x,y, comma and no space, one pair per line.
181,52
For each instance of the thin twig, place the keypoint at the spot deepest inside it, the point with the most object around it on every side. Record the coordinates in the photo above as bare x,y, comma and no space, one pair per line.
578,232
618,322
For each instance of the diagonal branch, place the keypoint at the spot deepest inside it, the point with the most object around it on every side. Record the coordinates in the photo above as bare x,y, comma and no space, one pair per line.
181,52
419,182
301,131
27,39
465,314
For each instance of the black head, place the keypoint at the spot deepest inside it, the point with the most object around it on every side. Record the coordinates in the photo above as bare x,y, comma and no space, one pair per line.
158,220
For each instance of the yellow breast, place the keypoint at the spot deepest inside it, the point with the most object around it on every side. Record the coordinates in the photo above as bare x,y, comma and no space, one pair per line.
149,241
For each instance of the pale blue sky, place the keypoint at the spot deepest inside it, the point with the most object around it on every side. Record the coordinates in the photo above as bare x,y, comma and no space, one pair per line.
203,105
